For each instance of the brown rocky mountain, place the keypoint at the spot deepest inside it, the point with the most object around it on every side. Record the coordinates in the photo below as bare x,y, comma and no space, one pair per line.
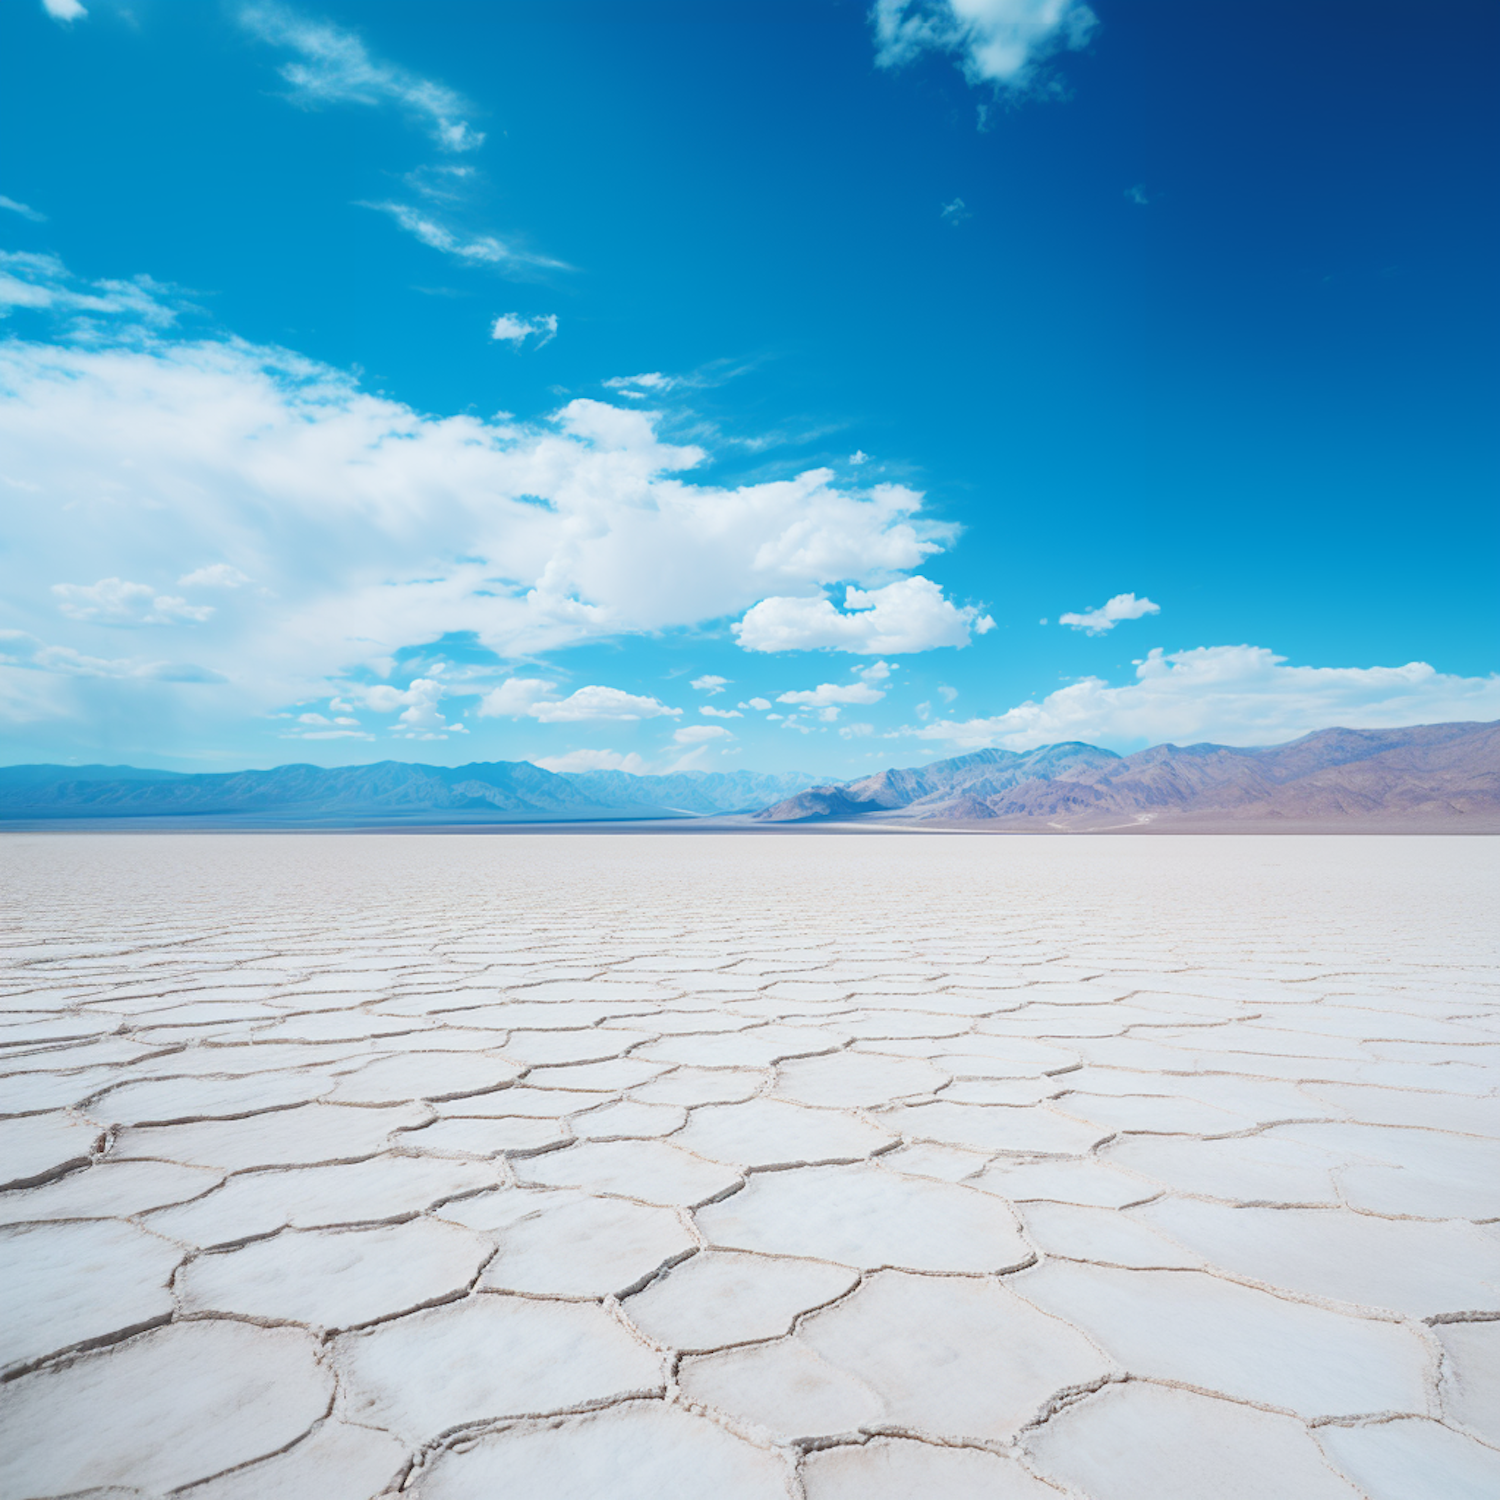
1427,774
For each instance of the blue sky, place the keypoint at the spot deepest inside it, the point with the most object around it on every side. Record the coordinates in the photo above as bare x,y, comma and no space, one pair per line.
771,385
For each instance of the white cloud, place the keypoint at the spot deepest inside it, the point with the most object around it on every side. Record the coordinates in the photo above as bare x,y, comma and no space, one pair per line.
25,210
369,527
701,734
1001,42
1107,616
856,731
910,614
333,67
64,10
600,703
475,249
760,705
956,213
947,694
834,692
512,328
709,684
637,385
421,719
113,601
20,649
214,576
1137,195
530,697
593,760
1235,695
41,282
720,713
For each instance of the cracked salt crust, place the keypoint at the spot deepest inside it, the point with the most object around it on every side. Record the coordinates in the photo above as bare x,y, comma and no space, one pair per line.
810,1169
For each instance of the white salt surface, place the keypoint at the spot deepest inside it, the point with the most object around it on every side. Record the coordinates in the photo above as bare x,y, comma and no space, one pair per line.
784,1167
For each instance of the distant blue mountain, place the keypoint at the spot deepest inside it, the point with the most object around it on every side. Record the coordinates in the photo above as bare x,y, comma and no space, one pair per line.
389,791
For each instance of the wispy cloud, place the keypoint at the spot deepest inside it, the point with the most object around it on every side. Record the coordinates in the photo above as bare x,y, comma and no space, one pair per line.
955,213
999,42
1137,195
41,282
1104,619
474,249
512,328
1235,695
114,601
24,209
333,67
593,760
19,649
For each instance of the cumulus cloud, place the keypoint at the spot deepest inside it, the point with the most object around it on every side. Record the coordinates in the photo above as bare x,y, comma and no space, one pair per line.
369,527
214,576
113,601
593,760
25,210
64,10
420,719
1107,616
760,705
828,693
709,684
1234,695
701,734
530,697
332,66
999,42
709,711
512,328
910,614
473,249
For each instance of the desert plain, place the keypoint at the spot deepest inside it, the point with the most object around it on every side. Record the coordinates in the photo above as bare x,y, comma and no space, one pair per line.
846,1167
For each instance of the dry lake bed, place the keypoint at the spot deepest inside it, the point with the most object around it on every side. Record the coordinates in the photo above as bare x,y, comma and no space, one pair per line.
871,1167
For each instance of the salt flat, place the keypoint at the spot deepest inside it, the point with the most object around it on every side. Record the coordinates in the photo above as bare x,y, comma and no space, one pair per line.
851,1168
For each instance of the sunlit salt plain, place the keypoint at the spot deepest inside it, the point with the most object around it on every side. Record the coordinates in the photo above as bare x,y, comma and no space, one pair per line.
668,1166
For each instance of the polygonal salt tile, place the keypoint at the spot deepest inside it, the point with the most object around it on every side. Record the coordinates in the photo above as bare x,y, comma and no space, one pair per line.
337,1026
994,1128
424,1075
1149,1442
1470,1386
1413,1460
628,1120
108,1190
694,1086
1001,1057
1195,1329
463,1135
719,1297
1087,1182
335,1278
524,1100
174,1101
260,1203
864,1216
784,1388
960,1357
1429,1111
1248,1169
176,1405
651,1171
584,1046
756,1048
33,1093
1073,1232
337,1461
69,1284
899,1469
485,1358
1154,1114
846,1079
305,1136
641,1451
612,1077
1000,1090
580,1247
927,1160
764,1132
36,1147
1408,1266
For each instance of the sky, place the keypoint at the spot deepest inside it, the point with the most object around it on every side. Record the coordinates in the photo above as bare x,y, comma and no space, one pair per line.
657,385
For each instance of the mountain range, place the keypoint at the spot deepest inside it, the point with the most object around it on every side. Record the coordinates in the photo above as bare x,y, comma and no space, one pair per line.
389,791
1431,773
